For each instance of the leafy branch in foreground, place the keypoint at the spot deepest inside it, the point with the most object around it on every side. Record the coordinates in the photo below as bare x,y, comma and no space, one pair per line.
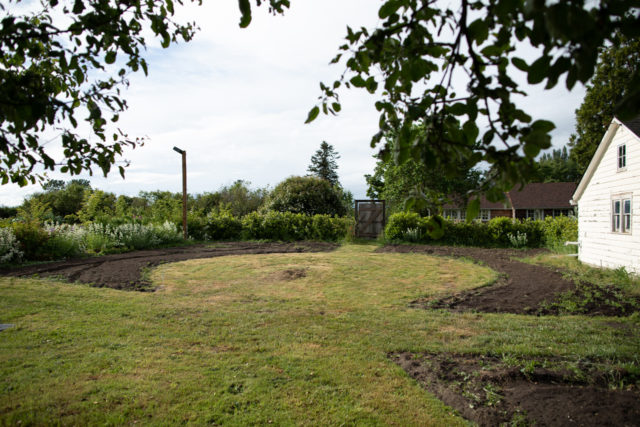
69,58
450,70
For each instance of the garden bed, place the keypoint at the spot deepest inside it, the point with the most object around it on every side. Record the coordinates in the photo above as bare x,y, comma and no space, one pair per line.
493,391
522,288
126,271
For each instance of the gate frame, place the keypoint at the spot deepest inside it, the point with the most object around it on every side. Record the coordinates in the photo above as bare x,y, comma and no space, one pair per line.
374,201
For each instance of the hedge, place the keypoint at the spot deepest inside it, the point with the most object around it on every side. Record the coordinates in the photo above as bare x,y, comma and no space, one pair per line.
498,232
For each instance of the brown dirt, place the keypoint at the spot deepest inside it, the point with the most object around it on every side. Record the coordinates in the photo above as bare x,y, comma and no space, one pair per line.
125,271
489,392
521,288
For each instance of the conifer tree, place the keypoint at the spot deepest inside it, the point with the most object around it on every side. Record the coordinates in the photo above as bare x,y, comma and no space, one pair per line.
323,164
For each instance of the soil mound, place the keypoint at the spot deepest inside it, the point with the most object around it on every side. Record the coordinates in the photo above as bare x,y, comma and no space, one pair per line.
124,271
521,289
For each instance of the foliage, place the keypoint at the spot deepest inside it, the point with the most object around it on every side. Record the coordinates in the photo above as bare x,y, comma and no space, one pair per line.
615,80
54,69
323,164
307,195
499,232
97,205
8,212
557,166
240,199
289,226
64,199
559,230
9,250
65,241
414,181
447,68
32,239
222,226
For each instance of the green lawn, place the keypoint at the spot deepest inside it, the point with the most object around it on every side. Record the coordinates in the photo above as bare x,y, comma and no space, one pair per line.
230,341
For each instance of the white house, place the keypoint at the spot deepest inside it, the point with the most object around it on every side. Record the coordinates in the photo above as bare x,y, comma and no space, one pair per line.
608,199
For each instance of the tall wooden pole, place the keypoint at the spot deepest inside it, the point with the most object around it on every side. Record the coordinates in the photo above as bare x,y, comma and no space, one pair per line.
184,194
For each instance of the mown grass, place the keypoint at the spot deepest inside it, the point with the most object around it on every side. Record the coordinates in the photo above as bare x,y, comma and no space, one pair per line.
231,341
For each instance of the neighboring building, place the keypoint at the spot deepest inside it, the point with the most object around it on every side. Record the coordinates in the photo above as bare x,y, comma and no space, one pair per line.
608,199
536,200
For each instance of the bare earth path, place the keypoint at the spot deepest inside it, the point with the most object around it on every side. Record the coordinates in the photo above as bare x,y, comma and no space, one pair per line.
125,271
521,289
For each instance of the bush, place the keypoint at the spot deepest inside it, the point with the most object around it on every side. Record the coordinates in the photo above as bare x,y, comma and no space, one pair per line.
222,226
289,226
9,250
559,230
499,232
306,195
32,239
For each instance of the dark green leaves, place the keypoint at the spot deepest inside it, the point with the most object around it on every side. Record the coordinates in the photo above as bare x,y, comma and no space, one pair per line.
313,114
473,209
245,10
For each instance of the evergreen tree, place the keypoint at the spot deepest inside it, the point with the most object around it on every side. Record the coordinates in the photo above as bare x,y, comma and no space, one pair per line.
557,166
611,84
323,164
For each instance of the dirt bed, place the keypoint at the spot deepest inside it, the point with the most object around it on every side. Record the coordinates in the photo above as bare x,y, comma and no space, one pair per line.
521,288
125,271
486,390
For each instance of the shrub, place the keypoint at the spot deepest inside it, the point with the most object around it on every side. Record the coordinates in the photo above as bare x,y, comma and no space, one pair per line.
9,250
223,226
306,195
559,230
32,239
399,223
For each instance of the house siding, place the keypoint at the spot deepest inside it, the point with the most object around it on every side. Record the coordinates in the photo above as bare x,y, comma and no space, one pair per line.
599,245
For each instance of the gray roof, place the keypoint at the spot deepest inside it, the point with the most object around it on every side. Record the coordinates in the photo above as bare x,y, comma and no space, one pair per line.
633,125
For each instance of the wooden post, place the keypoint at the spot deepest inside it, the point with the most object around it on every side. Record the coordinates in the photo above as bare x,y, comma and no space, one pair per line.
184,194
183,153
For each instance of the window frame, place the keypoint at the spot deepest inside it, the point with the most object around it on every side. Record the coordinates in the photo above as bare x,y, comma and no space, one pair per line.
622,214
621,157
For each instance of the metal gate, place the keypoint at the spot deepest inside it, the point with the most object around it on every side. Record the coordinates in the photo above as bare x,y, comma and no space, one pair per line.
370,219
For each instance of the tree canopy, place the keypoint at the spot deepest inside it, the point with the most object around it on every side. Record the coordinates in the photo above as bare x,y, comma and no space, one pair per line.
557,166
68,59
612,82
451,70
323,163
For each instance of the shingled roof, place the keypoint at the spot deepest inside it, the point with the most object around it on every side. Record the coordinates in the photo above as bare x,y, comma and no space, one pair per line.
540,195
633,125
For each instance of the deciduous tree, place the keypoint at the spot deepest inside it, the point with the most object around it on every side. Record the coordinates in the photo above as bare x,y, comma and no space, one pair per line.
613,82
71,58
451,69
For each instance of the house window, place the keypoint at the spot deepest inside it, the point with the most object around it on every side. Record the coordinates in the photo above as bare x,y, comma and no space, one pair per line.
621,216
535,213
485,214
622,156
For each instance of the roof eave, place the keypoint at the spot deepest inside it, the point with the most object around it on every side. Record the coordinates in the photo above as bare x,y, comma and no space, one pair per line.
595,161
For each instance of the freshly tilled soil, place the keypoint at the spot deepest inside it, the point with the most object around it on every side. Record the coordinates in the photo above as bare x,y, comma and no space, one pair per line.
125,271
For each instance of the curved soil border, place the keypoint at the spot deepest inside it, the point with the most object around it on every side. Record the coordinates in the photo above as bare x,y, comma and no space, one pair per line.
125,271
521,289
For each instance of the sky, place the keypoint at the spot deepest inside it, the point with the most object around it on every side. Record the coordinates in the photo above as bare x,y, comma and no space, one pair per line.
236,100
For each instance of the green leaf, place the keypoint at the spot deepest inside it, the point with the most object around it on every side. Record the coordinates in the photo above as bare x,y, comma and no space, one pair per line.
245,10
531,150
358,81
473,209
479,31
389,8
313,114
435,227
458,109
110,57
543,126
538,70
520,64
